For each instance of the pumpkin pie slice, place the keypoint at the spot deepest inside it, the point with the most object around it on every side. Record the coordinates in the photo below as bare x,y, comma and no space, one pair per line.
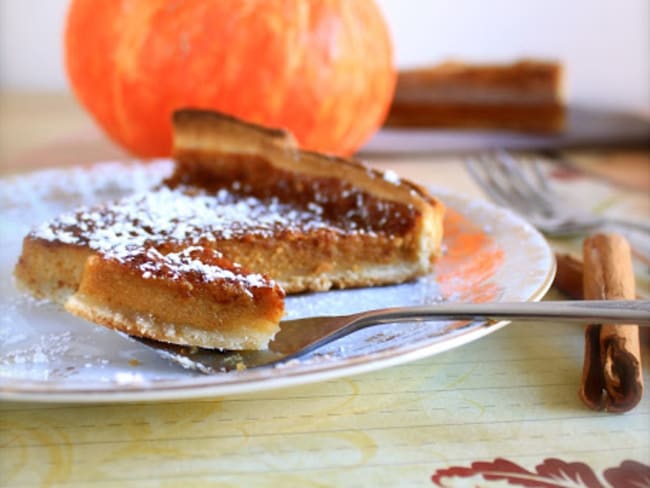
348,226
257,214
193,296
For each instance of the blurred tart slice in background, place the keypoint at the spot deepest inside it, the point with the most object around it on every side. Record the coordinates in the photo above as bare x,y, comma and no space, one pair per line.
525,96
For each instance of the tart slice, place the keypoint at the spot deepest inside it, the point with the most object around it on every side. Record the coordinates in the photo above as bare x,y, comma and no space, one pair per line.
356,226
524,96
189,261
194,296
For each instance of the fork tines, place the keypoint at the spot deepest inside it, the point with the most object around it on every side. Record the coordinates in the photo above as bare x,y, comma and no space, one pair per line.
521,185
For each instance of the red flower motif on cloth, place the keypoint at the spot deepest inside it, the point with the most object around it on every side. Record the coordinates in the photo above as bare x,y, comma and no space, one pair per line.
552,473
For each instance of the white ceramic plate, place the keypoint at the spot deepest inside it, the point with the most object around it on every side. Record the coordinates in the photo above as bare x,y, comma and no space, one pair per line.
48,355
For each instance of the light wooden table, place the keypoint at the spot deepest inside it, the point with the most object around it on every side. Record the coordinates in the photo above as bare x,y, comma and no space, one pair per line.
511,395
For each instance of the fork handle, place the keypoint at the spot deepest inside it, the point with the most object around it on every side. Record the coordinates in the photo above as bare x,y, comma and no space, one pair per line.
638,226
585,311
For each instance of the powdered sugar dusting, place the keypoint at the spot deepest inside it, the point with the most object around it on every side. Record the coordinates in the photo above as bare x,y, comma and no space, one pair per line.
192,261
185,216
42,352
101,181
392,177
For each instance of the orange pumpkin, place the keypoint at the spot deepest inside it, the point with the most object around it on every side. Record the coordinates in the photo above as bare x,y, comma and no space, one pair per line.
320,68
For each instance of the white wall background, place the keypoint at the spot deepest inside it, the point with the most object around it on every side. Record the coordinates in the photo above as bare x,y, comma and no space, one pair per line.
604,44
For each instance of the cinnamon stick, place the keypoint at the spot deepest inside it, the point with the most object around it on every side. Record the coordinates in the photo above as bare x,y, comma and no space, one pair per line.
568,277
611,377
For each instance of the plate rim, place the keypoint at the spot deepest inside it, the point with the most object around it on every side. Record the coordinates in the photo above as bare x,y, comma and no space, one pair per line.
202,387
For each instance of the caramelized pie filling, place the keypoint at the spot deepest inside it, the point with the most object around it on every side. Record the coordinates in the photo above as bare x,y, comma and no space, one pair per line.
188,267
160,293
332,199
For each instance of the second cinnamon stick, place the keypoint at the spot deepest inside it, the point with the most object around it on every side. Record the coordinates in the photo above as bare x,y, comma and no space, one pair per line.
568,278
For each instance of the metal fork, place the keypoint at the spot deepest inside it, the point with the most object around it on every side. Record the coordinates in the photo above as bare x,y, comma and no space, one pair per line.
524,187
299,337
